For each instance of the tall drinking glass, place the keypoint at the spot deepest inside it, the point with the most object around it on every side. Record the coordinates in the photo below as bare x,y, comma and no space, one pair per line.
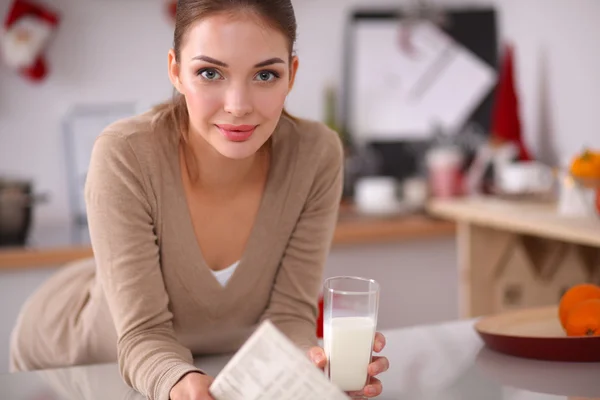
350,307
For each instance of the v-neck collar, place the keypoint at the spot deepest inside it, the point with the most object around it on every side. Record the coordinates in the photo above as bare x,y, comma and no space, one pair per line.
261,230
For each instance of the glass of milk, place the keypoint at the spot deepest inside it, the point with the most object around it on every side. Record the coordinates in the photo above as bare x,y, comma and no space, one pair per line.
350,310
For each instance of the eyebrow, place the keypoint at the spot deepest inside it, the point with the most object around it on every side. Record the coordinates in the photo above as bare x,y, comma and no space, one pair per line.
270,61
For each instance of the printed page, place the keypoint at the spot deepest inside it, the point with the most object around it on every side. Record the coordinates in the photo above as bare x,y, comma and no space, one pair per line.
270,367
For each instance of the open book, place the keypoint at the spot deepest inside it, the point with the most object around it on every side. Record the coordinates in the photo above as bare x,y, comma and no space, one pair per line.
270,367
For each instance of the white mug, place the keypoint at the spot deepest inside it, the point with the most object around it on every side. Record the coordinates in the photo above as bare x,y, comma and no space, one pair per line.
525,177
376,194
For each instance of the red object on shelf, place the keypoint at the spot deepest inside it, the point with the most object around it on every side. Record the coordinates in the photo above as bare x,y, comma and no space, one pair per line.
320,319
506,124
172,9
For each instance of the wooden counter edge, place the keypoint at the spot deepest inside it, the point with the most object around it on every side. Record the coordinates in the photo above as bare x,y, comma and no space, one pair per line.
14,259
568,231
391,230
349,231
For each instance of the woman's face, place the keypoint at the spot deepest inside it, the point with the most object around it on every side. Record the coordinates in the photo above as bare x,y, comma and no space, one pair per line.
235,74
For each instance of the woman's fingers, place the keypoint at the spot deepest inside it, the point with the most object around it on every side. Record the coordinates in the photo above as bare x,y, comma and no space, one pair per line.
378,366
379,342
317,356
372,389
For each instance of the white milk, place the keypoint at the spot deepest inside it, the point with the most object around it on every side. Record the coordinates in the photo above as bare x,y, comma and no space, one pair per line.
348,344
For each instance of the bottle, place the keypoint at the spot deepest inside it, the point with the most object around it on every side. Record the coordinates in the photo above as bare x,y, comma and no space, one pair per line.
331,119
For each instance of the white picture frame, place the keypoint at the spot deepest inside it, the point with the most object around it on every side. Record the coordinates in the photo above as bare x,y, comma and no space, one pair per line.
81,126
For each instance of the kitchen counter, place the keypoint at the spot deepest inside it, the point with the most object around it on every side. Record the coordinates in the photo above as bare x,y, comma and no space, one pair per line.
442,361
514,254
352,229
536,218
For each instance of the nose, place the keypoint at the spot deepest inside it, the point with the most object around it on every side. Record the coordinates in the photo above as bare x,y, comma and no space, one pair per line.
238,101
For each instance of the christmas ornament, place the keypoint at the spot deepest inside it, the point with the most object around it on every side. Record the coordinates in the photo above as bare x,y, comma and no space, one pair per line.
506,122
28,28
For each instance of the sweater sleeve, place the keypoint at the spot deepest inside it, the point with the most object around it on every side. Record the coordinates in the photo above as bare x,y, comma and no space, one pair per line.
293,304
151,360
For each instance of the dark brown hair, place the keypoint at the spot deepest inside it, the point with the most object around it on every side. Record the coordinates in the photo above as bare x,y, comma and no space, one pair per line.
278,14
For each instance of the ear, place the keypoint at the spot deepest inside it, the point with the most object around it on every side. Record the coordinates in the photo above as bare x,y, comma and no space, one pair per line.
174,71
293,70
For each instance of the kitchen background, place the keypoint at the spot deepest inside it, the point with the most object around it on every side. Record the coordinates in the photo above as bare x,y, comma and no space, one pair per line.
114,52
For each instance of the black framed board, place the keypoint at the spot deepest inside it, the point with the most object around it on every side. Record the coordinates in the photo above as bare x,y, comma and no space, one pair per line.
474,30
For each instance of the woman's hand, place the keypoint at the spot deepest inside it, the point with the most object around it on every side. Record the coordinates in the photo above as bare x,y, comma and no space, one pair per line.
377,366
193,386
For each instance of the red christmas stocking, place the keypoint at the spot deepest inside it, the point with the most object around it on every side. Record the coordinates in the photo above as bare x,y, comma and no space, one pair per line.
28,28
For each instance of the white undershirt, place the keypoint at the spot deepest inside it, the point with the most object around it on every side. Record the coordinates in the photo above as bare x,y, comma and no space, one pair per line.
224,275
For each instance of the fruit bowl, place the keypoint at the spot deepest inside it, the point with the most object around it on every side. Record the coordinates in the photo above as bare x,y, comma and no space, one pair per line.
536,333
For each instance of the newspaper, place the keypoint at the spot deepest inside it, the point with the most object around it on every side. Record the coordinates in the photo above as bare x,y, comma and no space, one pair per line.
270,367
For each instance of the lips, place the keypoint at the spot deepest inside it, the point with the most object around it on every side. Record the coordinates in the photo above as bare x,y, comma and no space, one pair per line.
236,133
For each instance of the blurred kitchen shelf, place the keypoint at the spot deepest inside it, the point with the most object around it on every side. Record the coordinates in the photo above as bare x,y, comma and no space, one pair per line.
355,228
352,229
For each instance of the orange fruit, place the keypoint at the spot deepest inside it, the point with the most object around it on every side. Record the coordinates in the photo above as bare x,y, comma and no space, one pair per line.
576,294
586,165
584,319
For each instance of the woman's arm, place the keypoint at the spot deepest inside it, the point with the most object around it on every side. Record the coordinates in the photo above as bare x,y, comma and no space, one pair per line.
151,360
293,304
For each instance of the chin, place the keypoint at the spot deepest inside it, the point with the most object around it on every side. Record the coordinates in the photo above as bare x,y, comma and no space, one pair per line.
237,150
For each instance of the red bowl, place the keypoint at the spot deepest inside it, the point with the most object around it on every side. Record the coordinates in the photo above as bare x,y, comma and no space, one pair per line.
537,334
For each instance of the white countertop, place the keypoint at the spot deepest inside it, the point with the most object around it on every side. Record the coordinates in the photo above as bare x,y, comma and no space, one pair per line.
437,362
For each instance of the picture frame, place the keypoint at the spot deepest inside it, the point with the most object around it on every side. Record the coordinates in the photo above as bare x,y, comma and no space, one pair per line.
81,126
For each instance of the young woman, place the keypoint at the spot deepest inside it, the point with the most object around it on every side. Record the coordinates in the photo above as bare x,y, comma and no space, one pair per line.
207,215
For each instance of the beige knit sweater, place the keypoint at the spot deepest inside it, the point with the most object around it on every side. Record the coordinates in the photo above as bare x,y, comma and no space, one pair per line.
148,299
